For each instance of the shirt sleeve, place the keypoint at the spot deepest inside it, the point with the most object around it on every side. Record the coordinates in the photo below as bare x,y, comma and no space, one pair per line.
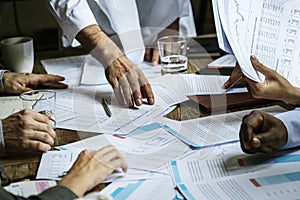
54,193
2,143
1,82
291,120
72,16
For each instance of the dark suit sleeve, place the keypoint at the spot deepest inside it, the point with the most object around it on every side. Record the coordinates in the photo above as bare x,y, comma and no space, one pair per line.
54,193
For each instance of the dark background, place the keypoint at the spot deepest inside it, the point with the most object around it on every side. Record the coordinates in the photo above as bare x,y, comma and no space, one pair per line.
31,18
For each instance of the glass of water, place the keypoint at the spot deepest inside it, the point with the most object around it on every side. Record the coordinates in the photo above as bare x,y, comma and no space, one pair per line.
41,101
172,51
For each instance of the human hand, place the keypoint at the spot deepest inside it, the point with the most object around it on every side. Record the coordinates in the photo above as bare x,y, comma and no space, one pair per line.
91,168
261,132
152,55
17,83
274,86
127,79
236,74
27,130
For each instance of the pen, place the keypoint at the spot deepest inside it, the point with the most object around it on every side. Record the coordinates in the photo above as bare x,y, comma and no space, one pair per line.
233,84
106,107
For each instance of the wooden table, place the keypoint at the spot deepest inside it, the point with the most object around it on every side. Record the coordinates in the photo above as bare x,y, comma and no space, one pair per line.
26,166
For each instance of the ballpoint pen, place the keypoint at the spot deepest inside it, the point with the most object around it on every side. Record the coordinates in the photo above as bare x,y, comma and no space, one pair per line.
233,84
106,107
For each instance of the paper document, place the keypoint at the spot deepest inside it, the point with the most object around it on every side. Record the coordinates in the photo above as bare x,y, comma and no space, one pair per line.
212,130
93,72
68,67
192,84
54,165
267,29
142,189
28,188
224,61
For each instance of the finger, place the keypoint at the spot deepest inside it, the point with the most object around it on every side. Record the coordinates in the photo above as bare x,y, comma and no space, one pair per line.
135,87
42,137
155,57
267,149
147,56
246,133
256,142
37,145
119,95
235,75
44,78
120,162
57,85
259,66
125,87
146,90
42,123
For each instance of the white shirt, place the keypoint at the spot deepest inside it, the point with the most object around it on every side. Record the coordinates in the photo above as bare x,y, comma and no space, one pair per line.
291,120
131,20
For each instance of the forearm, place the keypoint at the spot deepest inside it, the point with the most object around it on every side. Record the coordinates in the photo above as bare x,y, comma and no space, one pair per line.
93,39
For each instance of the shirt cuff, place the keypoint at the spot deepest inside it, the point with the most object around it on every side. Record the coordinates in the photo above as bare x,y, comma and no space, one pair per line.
292,125
2,143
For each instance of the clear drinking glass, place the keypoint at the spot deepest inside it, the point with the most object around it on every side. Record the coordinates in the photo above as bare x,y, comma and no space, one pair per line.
172,51
41,101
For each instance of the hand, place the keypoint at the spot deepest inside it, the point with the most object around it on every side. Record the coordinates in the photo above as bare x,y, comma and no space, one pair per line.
91,168
152,55
125,79
274,86
27,130
261,132
235,75
17,83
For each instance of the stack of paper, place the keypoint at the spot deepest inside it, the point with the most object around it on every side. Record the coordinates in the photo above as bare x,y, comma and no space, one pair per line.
267,29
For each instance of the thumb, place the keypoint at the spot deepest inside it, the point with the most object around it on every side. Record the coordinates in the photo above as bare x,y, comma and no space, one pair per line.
259,66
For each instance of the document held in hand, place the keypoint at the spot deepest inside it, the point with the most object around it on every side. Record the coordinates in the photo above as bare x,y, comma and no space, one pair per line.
267,29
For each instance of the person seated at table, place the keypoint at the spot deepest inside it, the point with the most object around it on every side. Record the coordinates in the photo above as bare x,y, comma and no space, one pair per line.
261,132
90,169
26,130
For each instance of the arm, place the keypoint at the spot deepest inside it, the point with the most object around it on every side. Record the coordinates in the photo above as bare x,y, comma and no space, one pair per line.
16,83
123,75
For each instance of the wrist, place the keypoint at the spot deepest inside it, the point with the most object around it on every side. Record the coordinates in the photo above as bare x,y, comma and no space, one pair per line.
99,44
294,97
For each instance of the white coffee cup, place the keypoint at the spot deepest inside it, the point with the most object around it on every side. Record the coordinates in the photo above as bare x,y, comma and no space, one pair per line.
18,54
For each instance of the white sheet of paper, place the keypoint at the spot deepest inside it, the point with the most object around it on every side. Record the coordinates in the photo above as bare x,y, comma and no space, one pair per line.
216,129
142,189
224,61
93,72
267,29
28,188
192,84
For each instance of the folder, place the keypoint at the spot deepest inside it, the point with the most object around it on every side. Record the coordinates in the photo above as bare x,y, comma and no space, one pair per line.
219,102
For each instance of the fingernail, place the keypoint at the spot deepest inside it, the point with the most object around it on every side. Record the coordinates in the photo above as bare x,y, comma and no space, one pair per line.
256,142
154,63
138,102
151,101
